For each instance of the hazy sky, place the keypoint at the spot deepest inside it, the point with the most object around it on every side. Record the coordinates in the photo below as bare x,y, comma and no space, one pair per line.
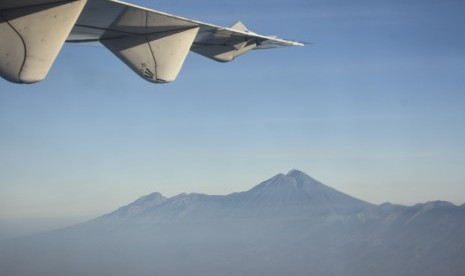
374,108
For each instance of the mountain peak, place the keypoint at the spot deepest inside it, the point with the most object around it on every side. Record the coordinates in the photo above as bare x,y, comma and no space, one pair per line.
296,187
137,207
303,178
430,205
296,173
294,179
153,198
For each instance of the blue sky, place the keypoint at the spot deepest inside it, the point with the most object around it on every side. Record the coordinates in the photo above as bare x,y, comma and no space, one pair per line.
374,108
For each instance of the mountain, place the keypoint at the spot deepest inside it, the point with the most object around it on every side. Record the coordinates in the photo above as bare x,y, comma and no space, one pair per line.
294,195
290,224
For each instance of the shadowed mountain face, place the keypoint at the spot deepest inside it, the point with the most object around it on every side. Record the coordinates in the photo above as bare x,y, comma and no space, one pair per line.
288,225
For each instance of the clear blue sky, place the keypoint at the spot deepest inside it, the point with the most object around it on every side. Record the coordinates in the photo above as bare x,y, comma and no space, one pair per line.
374,108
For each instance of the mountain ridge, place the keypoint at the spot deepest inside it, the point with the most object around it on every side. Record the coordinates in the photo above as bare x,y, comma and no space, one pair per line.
293,194
290,224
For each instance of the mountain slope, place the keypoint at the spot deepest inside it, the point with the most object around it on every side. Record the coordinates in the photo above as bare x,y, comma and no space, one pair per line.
297,189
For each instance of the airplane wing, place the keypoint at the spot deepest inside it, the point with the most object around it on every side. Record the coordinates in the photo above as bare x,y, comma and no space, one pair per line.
153,44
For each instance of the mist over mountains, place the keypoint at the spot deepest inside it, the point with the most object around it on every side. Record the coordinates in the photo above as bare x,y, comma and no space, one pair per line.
290,224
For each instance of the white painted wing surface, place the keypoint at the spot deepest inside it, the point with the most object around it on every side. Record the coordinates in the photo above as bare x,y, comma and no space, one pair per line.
109,18
32,33
116,24
153,44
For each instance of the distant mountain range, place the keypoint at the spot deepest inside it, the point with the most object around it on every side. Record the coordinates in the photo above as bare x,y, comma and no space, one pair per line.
288,225
295,195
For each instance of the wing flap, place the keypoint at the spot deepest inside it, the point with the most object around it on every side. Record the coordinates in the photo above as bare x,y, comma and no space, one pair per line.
32,34
155,57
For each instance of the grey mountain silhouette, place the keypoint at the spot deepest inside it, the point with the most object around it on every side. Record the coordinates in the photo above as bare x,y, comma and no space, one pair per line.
290,224
294,195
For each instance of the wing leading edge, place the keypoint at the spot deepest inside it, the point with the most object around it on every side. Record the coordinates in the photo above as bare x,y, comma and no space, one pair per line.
152,43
